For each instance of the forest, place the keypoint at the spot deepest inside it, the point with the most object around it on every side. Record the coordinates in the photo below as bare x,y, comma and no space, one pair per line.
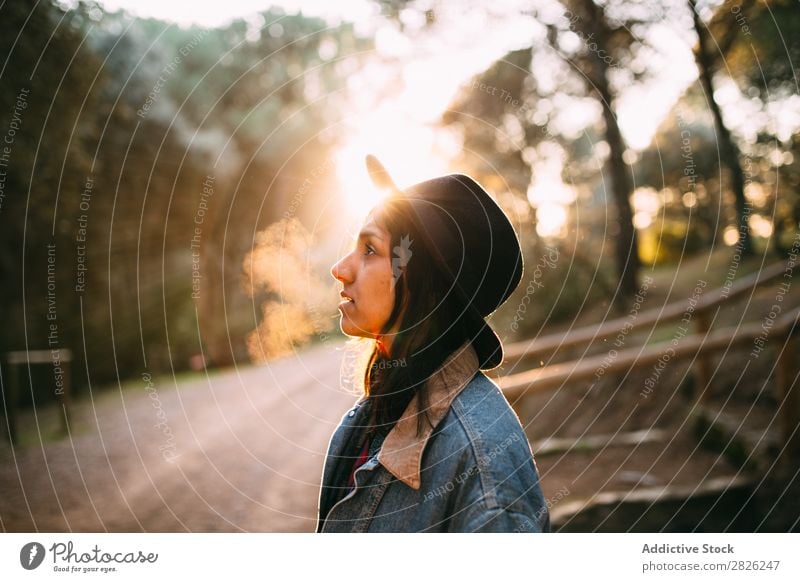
172,197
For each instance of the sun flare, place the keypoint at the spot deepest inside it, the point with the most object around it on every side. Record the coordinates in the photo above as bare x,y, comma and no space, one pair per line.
411,153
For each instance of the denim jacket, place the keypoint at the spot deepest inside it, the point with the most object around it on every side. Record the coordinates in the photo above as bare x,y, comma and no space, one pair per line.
472,471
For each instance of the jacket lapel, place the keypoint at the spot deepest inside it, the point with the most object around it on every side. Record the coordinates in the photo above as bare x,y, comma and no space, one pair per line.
401,453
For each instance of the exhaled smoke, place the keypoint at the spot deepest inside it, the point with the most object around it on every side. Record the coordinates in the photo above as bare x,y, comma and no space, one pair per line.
299,303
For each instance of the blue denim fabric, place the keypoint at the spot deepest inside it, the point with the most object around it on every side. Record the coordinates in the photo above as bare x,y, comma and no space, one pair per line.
477,474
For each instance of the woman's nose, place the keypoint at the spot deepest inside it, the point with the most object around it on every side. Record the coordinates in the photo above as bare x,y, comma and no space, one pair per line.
339,271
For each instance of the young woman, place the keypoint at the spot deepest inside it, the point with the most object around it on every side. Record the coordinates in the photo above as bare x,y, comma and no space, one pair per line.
432,445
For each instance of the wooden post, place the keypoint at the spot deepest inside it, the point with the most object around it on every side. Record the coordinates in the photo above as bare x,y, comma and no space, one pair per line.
10,398
65,398
702,371
790,411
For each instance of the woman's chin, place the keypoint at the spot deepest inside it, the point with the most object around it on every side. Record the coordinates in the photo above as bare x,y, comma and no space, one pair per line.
350,329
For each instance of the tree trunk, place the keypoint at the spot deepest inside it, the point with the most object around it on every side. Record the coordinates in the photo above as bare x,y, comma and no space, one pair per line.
729,153
627,245
626,251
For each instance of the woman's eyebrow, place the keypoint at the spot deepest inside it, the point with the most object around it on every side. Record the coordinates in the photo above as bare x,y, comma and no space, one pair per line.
370,233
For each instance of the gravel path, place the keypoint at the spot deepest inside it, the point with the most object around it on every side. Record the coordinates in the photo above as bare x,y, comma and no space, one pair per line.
239,450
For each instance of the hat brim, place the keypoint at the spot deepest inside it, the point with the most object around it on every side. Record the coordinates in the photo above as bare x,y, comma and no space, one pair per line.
487,346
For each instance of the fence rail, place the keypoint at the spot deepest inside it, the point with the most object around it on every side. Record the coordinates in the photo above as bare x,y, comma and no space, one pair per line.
699,345
520,351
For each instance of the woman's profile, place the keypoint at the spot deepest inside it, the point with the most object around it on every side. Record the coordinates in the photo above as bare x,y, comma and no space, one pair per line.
432,445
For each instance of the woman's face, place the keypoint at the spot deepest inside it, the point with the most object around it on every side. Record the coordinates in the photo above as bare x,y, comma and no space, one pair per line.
368,285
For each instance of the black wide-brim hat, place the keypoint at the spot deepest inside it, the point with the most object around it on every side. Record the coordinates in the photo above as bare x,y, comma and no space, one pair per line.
472,241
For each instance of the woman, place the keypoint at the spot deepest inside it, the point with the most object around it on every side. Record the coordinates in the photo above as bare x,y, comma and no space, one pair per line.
432,445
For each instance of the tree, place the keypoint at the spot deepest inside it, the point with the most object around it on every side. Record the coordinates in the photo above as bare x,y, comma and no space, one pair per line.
44,164
754,43
708,61
608,46
598,66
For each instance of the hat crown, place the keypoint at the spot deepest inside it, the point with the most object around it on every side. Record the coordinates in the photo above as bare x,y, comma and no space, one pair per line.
473,236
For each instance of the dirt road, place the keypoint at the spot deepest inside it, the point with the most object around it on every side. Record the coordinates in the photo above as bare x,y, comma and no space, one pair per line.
240,450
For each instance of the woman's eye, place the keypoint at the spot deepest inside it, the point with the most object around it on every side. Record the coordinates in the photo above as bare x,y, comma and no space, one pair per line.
370,250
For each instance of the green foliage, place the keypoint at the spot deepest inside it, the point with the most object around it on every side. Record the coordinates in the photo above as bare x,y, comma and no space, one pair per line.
45,157
763,53
669,241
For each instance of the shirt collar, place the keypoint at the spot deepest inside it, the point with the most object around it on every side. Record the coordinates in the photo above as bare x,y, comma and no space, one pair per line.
402,449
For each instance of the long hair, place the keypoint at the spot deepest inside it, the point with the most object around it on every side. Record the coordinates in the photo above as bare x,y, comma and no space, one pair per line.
432,324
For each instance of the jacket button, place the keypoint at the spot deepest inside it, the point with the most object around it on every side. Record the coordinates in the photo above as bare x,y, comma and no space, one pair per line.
352,413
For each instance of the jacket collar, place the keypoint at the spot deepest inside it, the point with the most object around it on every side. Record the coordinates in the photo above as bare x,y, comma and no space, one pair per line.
401,452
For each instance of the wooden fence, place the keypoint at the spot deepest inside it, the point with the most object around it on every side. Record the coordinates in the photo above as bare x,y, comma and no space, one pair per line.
699,346
10,388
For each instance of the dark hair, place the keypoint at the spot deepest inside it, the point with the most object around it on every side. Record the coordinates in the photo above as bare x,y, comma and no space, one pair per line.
433,323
